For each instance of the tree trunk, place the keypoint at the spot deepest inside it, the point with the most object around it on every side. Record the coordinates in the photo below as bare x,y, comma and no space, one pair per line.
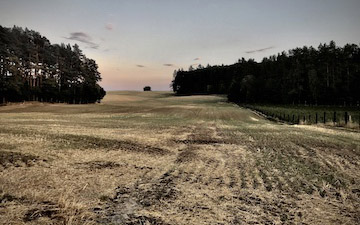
348,79
327,76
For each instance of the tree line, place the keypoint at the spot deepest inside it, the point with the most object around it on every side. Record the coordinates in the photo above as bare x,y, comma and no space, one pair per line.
33,69
328,75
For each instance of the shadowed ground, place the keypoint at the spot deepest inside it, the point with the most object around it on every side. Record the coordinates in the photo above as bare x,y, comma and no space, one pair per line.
153,158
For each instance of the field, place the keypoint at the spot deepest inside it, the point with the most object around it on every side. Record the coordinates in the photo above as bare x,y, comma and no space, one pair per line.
307,114
154,158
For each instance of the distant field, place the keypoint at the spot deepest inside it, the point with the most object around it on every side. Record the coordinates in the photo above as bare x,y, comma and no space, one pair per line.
154,158
290,112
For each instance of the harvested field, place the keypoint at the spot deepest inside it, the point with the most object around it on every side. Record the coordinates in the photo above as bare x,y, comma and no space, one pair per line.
154,158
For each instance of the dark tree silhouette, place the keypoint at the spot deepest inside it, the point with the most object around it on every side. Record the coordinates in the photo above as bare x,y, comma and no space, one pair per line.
327,75
33,69
147,88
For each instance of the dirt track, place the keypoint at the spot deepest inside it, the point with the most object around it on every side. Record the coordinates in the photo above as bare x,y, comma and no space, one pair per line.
152,158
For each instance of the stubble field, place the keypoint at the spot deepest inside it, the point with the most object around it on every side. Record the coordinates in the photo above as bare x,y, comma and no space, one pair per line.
154,158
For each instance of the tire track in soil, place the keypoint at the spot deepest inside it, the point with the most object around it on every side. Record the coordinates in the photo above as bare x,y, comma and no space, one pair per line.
125,207
246,195
259,198
204,163
244,199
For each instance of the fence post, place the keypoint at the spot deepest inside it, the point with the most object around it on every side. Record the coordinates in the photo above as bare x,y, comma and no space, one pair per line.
324,117
316,118
334,118
288,118
304,119
346,118
293,119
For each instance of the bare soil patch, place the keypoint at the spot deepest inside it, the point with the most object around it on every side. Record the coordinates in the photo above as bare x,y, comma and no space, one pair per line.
89,142
17,159
44,209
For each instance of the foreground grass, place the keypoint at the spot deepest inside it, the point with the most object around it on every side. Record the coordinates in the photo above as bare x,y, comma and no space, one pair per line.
152,158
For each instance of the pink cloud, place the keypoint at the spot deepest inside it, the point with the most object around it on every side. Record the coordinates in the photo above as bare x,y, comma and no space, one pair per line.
109,26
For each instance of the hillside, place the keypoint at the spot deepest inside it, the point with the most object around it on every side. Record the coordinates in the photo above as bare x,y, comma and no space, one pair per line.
154,158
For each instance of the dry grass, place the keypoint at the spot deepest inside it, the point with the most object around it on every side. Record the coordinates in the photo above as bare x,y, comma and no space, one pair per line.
153,158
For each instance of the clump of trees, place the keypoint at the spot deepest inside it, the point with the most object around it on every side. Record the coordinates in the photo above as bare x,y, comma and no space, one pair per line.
33,69
328,75
147,88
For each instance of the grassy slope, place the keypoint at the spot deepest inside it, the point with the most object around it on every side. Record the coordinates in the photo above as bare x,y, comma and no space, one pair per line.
152,157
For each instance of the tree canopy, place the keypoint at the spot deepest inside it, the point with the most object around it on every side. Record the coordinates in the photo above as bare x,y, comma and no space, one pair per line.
33,69
328,75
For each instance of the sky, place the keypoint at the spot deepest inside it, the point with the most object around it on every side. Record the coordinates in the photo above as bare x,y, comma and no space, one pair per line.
141,42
